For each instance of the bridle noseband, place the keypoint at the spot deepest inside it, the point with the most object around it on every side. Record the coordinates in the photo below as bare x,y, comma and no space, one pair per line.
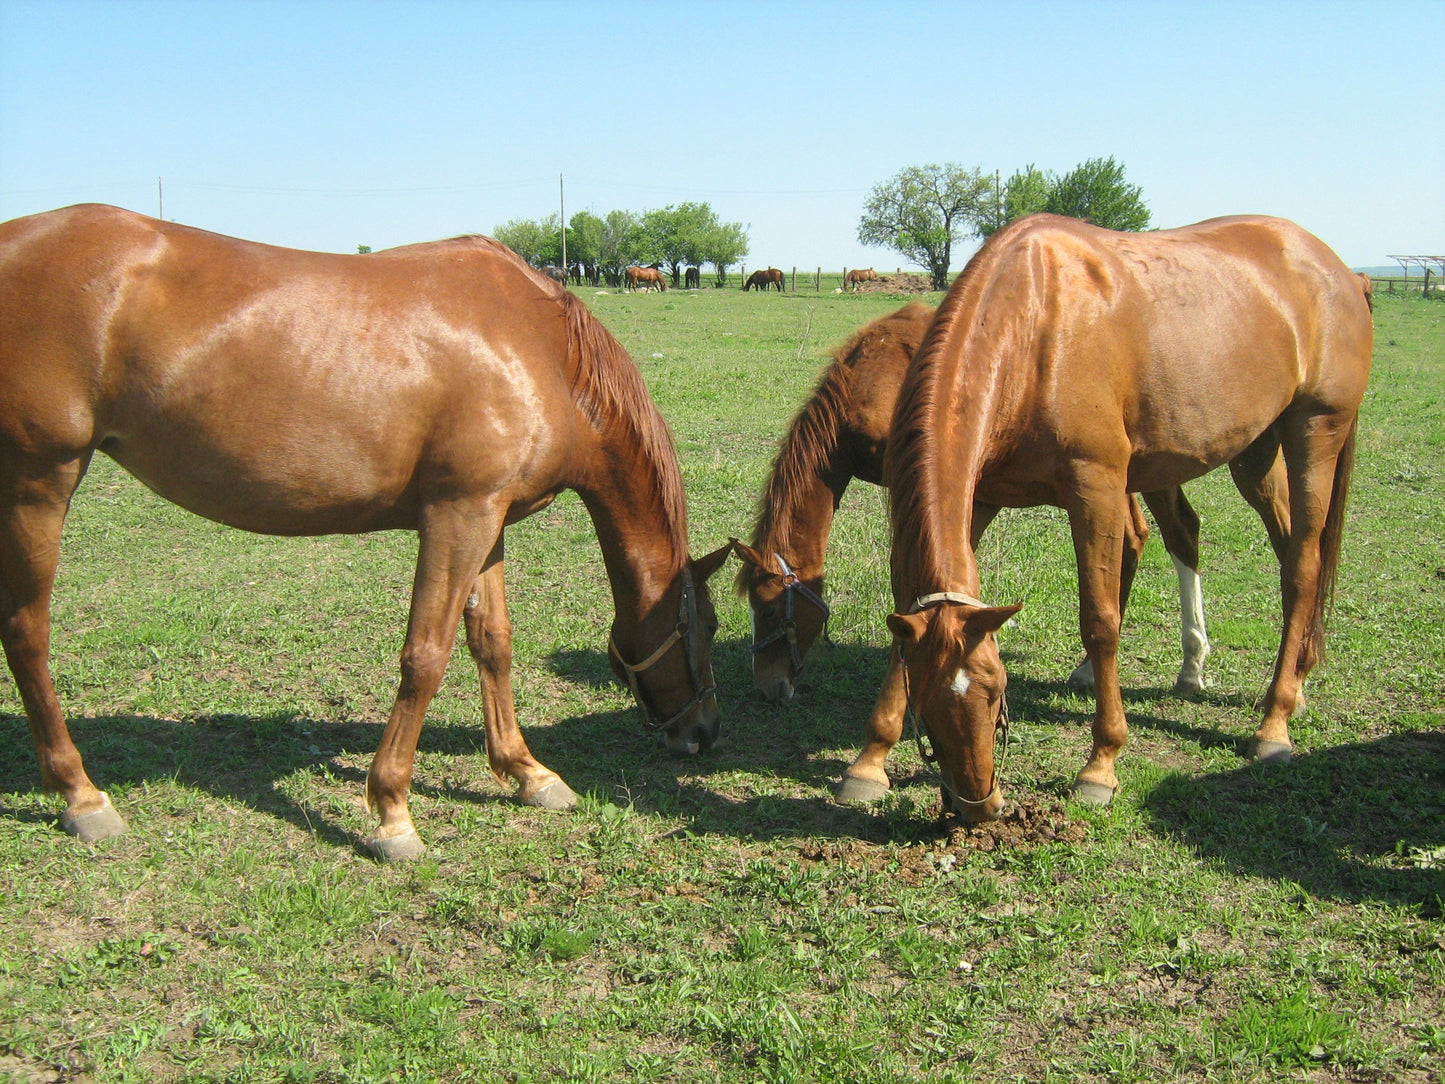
1000,726
687,614
793,585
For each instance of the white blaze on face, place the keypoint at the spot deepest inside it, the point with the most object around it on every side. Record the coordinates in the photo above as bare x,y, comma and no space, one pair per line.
960,683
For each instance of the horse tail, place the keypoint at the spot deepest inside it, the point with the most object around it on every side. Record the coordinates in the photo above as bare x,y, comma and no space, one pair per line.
1312,651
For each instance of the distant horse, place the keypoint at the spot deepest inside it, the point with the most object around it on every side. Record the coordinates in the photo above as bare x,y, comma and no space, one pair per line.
1070,365
691,278
445,388
761,280
556,274
857,275
645,278
841,433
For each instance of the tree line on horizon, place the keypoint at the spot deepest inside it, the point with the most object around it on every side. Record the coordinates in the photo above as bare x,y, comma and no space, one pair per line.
599,249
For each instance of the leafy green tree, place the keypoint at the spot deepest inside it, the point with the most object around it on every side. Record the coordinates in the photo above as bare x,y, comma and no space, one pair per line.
525,237
1025,193
922,210
1097,192
724,245
584,242
622,244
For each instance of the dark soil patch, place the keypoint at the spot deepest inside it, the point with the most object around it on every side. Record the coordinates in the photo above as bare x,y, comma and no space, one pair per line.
897,284
1027,821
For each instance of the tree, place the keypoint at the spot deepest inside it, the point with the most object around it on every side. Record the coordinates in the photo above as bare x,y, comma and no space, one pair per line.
1097,192
922,210
622,244
1025,193
584,243
523,236
725,244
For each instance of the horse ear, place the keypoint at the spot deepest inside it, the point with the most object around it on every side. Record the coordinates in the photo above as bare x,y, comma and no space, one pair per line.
708,563
908,628
991,618
747,554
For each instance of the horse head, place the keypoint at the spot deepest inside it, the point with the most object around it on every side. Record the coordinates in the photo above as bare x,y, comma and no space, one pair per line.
673,685
954,683
788,616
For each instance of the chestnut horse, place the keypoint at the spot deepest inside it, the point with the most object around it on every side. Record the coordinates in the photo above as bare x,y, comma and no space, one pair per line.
1071,365
761,280
445,388
645,278
840,434
857,275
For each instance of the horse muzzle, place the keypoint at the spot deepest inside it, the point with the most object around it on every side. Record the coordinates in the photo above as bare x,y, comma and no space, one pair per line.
699,732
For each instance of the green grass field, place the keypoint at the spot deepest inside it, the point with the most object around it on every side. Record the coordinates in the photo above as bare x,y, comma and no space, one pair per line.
719,918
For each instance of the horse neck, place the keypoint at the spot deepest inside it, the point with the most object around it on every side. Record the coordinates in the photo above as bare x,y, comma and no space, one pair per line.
642,550
809,477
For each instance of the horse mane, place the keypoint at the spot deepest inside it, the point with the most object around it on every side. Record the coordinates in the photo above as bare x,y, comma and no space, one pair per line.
611,393
913,452
808,448
805,453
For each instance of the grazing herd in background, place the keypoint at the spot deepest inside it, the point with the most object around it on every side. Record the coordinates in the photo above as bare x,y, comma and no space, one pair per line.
1068,365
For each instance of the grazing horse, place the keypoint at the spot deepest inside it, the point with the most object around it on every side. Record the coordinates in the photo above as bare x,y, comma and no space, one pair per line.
841,433
445,388
691,278
857,275
556,274
1071,365
645,278
761,280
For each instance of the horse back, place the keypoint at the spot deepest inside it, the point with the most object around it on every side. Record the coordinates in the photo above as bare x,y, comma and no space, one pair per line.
1175,347
275,389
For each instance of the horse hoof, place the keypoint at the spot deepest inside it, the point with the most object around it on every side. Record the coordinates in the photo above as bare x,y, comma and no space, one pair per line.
1092,793
1267,751
854,790
556,796
98,824
406,847
1186,687
1082,677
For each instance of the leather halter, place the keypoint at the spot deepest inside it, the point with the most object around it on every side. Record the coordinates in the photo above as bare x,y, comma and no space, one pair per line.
687,614
793,585
1000,726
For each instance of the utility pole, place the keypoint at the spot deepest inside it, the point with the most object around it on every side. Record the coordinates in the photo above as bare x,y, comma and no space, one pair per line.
562,210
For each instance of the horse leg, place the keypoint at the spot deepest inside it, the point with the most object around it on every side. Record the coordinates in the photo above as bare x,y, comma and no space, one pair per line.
489,639
1099,519
1134,539
1260,475
32,516
1179,528
1317,460
866,779
453,542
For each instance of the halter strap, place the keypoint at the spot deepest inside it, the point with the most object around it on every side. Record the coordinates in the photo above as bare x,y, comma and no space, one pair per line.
793,584
687,612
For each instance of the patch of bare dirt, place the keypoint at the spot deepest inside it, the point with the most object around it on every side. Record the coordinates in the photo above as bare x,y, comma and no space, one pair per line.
1027,821
902,283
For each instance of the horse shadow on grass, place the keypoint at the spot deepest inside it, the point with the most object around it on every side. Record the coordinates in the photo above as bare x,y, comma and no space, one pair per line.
1355,823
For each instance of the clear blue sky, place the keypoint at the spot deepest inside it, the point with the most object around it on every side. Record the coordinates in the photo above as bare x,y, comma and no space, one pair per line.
331,124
